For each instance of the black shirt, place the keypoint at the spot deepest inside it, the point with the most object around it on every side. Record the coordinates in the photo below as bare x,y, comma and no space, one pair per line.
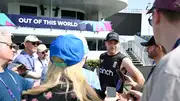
108,67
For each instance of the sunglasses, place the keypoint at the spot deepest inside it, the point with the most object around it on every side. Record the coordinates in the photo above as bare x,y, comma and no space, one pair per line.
150,20
151,17
11,46
44,52
34,43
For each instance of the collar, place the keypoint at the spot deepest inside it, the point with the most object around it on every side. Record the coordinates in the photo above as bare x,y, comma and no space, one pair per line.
26,54
176,44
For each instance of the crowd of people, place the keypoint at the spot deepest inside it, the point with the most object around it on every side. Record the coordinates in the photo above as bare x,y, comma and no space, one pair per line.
58,73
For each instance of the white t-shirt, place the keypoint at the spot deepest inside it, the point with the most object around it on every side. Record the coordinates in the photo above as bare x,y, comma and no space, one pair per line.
39,65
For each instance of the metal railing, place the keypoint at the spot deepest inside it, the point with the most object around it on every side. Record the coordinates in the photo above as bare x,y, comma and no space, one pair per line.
140,54
123,48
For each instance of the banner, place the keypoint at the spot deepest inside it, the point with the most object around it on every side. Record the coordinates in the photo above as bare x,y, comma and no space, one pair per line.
54,23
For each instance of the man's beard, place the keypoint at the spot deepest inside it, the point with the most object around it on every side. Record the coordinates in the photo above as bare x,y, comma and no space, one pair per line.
112,51
152,55
44,57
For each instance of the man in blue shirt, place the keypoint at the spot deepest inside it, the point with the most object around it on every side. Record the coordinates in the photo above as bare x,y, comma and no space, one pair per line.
26,57
11,84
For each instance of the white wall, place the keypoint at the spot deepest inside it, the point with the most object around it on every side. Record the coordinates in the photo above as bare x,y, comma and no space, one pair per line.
138,40
14,8
93,16
124,38
53,32
100,16
94,55
140,51
146,29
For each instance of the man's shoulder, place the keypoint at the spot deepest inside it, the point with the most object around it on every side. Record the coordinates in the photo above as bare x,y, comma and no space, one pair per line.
103,54
12,72
122,56
170,63
20,57
36,60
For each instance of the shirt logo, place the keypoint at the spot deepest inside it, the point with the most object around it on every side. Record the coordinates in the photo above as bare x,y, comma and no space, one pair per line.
114,64
101,60
106,72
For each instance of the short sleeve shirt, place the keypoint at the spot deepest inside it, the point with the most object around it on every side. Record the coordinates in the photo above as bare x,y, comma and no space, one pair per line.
22,84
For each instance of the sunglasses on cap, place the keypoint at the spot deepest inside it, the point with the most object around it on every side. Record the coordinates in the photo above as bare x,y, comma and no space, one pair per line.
44,52
11,45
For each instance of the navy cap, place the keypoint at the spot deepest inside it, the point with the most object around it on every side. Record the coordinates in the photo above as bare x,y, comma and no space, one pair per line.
170,5
112,36
69,48
149,43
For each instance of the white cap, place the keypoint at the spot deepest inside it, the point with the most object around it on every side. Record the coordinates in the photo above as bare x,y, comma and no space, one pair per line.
32,38
41,48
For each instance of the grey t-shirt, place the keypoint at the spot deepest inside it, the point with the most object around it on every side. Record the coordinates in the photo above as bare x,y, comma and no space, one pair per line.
164,83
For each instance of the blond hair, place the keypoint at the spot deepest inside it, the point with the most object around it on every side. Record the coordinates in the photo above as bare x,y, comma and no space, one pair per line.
82,90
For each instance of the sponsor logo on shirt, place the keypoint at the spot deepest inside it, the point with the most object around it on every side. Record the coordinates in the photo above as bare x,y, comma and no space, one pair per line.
114,64
106,72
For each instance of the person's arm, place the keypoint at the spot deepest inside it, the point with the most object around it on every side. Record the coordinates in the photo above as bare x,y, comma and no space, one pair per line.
134,95
25,84
15,69
130,82
134,72
34,75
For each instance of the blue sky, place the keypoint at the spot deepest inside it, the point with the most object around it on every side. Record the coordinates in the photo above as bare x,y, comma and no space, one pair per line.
138,4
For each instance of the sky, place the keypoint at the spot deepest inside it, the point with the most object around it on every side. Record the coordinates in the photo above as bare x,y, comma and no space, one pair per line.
138,4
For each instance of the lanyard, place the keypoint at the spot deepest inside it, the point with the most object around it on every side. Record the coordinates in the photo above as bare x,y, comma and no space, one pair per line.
152,69
32,65
176,44
29,60
8,89
42,63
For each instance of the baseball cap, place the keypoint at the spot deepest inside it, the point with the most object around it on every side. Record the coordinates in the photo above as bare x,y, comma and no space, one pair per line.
149,43
170,5
112,36
32,38
41,48
67,48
